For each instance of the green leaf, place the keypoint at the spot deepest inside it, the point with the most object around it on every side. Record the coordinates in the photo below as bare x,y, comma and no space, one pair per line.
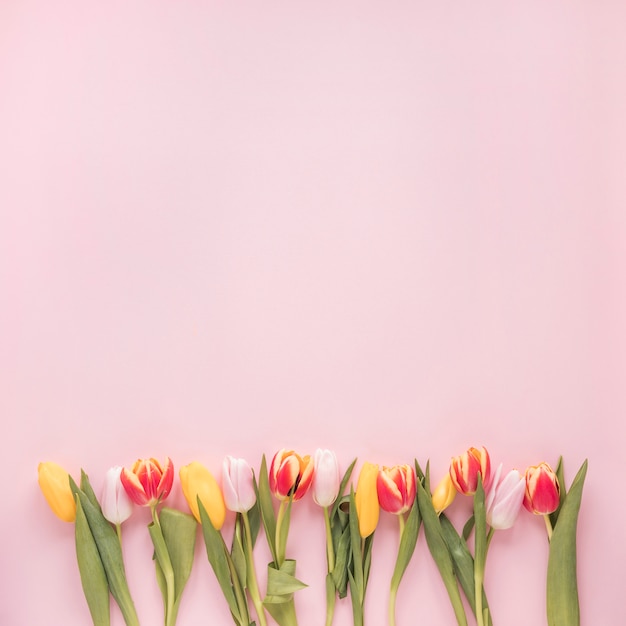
217,555
164,571
162,583
110,554
554,516
342,488
463,562
367,560
342,562
408,540
355,547
254,517
418,471
282,581
281,585
92,574
469,526
87,489
237,552
283,613
562,585
282,526
264,498
357,606
179,533
480,522
439,550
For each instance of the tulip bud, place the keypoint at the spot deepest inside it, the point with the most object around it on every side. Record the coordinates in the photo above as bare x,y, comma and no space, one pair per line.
366,499
504,499
543,491
325,477
198,483
290,474
148,483
444,494
116,504
396,488
464,470
237,485
54,482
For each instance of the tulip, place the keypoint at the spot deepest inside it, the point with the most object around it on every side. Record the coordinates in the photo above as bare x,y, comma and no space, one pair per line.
444,494
366,499
198,483
464,470
148,483
116,504
237,485
325,477
396,488
543,492
290,475
504,499
54,482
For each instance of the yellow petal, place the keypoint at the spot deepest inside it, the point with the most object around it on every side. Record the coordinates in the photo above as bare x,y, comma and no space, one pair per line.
366,499
197,482
54,482
444,493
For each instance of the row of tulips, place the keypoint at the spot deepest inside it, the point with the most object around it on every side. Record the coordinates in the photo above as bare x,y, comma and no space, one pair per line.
350,516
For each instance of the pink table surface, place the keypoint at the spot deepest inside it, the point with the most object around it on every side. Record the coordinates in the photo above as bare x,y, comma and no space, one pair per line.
391,229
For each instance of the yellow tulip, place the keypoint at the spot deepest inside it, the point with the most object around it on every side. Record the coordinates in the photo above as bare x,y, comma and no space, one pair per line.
54,482
366,499
444,494
197,482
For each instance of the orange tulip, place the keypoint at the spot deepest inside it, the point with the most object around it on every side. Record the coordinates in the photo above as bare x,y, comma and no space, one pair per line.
148,483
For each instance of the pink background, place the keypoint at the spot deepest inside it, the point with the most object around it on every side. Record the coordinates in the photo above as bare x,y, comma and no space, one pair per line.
392,229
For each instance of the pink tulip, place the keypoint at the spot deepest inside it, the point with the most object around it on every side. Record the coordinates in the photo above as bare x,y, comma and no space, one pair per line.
116,504
464,470
396,488
290,474
147,483
504,499
325,477
237,485
542,490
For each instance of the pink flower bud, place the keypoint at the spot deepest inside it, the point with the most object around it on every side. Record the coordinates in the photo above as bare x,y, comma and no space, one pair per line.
396,488
147,483
325,477
237,485
543,492
464,470
116,504
504,500
290,474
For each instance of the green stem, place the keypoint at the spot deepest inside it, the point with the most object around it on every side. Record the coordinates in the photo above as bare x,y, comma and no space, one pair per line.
239,593
479,579
252,580
393,593
118,530
330,552
331,591
549,528
280,550
167,569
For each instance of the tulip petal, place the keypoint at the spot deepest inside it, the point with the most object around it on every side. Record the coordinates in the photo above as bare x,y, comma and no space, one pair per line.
55,486
133,487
